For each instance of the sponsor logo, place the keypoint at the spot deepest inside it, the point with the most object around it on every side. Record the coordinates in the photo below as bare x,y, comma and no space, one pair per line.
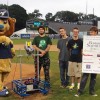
2,13
26,36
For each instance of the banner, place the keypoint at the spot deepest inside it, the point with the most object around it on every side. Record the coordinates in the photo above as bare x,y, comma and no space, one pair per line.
91,54
25,36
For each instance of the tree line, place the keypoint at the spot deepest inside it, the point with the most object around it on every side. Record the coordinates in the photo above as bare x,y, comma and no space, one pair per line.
21,15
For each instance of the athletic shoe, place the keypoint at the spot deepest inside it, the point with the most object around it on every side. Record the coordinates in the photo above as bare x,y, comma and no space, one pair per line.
78,94
71,87
93,94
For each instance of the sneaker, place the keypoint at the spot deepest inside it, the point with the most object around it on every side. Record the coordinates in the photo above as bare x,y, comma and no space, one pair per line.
67,86
71,87
77,95
93,94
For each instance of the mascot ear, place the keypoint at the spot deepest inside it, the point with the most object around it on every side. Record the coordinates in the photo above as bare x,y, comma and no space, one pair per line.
12,22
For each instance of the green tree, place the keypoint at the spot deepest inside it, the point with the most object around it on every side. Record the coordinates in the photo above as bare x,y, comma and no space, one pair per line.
34,15
66,16
49,16
3,6
91,16
20,14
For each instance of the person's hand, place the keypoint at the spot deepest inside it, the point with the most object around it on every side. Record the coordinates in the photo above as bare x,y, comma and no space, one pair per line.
42,53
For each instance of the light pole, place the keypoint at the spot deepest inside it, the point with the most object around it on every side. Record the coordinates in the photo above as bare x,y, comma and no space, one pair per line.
7,4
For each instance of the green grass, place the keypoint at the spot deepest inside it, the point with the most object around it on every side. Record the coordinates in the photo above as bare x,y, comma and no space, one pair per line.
23,41
54,41
57,92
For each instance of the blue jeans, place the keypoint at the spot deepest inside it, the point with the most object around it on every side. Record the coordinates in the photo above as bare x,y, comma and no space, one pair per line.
63,65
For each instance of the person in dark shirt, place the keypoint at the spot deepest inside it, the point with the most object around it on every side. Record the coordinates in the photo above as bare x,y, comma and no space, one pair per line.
75,46
63,57
42,45
93,32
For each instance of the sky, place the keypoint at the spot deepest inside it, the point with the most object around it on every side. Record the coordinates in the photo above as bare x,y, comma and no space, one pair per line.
52,6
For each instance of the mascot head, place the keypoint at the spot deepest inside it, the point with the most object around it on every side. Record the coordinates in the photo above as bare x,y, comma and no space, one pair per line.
7,24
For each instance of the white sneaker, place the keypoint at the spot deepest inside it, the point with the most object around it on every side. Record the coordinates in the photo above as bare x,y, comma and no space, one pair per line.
95,95
76,95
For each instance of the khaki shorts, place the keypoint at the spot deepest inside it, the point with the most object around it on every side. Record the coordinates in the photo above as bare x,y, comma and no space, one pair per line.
75,69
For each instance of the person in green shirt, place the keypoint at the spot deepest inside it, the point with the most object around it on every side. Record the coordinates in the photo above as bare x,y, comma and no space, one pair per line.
42,43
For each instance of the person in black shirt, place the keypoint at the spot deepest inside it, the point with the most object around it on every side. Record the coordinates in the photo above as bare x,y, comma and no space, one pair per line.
75,46
93,32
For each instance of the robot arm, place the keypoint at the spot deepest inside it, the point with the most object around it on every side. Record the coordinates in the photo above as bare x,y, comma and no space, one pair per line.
28,47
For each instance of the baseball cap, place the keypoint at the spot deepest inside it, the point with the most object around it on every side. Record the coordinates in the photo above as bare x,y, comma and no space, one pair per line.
4,13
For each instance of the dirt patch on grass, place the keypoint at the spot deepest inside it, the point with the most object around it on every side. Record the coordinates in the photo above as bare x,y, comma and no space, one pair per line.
21,46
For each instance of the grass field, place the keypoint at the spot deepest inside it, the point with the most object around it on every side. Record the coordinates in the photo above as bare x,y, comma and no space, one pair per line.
22,41
57,92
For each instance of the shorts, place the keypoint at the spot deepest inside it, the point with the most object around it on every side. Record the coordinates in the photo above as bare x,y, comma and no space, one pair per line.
75,69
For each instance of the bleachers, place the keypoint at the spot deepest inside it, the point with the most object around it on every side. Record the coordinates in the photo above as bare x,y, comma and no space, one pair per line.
56,25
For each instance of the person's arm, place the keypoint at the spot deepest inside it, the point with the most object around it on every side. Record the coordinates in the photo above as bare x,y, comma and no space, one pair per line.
48,48
82,48
82,51
36,48
43,52
58,47
68,45
49,45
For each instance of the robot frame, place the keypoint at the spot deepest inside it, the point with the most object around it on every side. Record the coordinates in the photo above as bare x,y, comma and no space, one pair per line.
23,87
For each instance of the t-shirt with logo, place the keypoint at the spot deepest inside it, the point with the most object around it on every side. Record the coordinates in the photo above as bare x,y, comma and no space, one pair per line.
42,43
75,47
